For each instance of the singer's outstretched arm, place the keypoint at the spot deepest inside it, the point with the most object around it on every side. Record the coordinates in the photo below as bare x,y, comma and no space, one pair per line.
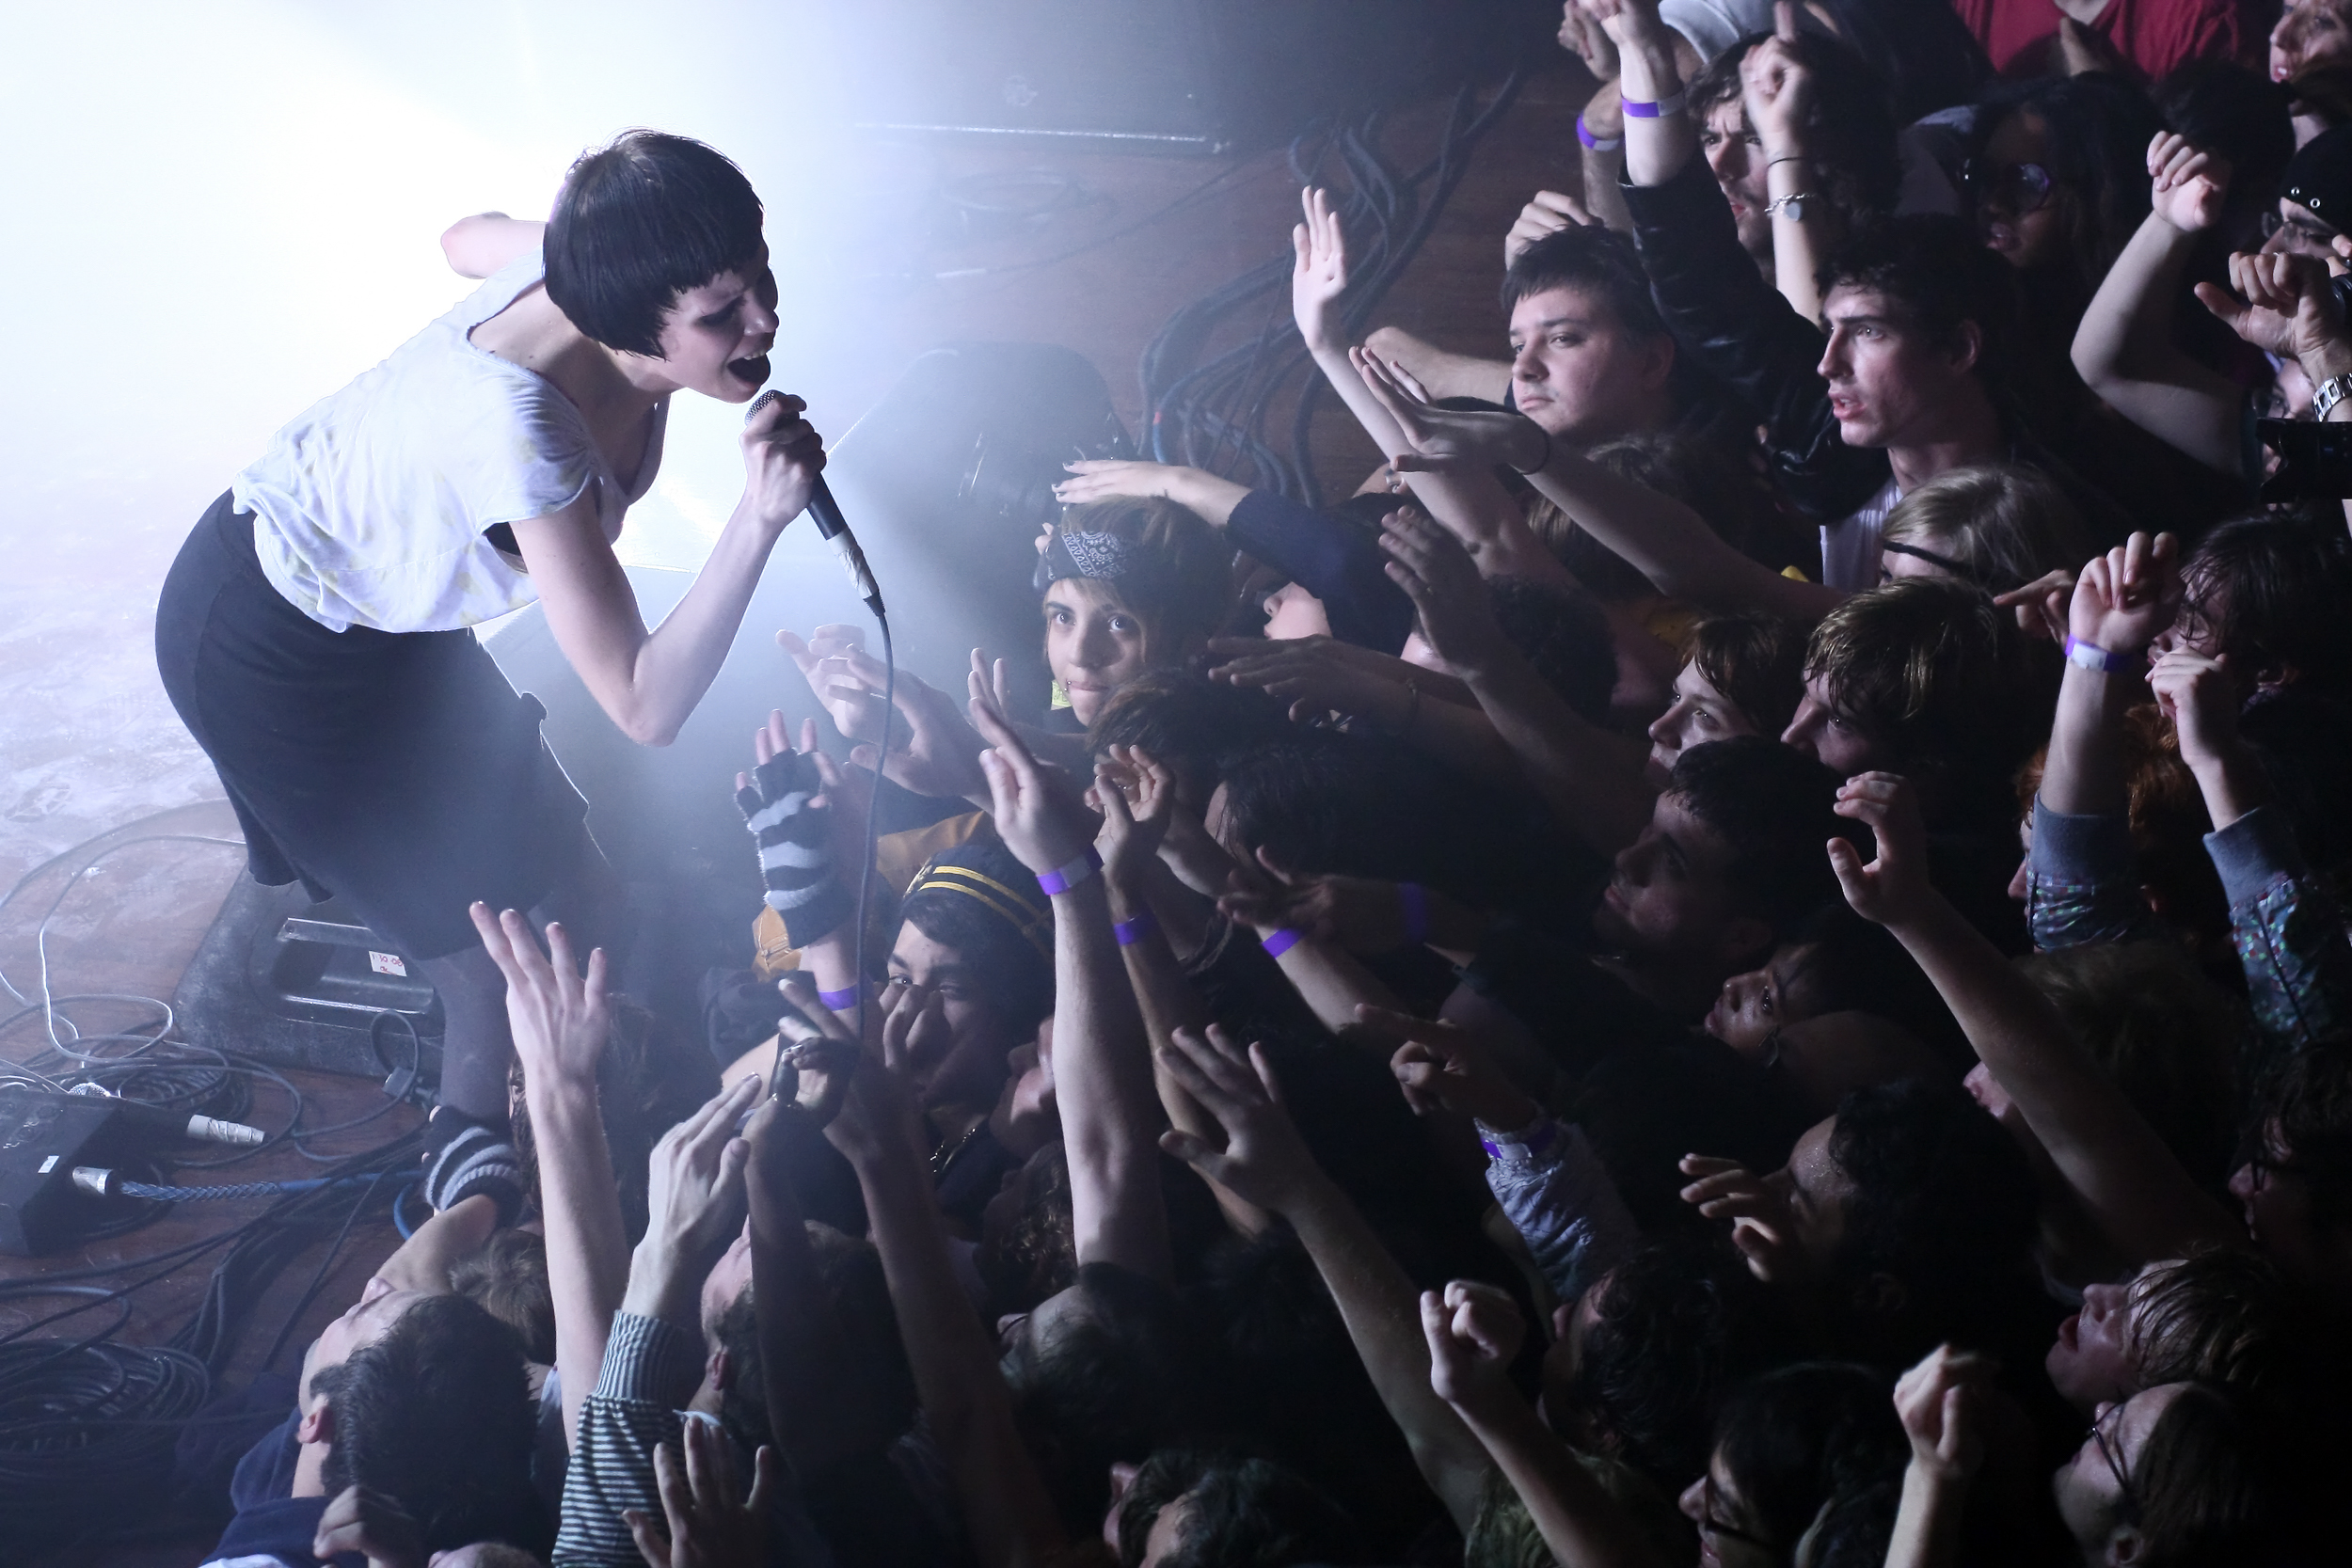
649,681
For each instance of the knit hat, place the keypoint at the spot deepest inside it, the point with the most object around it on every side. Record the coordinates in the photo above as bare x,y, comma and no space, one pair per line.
2320,178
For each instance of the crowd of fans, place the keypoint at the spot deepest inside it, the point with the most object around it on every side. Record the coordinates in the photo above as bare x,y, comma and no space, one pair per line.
1740,959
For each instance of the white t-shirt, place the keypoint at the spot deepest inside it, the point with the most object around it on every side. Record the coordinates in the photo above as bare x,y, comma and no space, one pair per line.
1850,547
370,509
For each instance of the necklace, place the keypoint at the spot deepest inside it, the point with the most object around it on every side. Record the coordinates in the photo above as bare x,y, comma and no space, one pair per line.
944,1155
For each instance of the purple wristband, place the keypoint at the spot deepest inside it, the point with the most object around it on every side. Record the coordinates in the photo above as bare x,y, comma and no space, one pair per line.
1278,941
1670,104
1129,932
1063,878
837,1000
1597,144
1414,898
2090,656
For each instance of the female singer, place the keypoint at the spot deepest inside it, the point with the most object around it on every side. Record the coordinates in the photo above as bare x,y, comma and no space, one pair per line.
315,633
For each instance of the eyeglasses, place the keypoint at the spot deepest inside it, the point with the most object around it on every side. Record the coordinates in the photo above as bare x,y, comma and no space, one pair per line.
2115,1460
2020,187
2318,236
1711,1519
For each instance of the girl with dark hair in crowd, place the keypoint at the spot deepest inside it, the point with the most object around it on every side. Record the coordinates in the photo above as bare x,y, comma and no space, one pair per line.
316,633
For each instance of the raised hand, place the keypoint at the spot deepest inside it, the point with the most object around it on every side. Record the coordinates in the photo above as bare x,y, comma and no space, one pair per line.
558,1014
1444,1065
1762,1227
1449,440
2198,694
1551,212
1041,817
787,808
2042,605
1631,23
1319,277
2187,185
370,1523
1136,795
1939,1402
707,1521
1264,1161
1437,573
1779,87
1097,479
2126,597
1474,1333
1588,40
1315,675
2288,307
694,1180
932,750
1359,913
1893,887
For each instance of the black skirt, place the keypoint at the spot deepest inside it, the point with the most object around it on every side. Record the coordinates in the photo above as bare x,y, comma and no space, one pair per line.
397,771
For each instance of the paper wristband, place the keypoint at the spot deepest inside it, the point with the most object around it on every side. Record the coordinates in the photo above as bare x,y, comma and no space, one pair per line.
2089,657
1129,932
1598,144
1670,104
1063,878
1414,898
837,1000
1278,941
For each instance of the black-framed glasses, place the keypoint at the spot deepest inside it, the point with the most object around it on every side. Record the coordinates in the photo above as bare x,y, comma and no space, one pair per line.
2115,1460
2020,187
1712,1521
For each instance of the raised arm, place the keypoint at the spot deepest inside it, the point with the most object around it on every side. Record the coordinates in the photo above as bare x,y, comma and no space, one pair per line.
1780,96
561,1025
1658,536
1473,1334
2124,348
1007,1510
1110,1112
1591,778
1659,142
485,243
1138,797
648,681
1471,502
1265,1162
1212,498
2146,1204
1937,1402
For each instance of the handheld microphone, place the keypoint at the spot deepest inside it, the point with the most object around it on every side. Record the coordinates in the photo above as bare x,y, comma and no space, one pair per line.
830,526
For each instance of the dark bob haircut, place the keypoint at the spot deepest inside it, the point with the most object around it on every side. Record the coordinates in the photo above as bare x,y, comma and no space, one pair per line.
637,224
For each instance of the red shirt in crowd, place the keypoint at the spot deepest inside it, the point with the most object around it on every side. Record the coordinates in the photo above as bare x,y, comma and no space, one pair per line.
2154,34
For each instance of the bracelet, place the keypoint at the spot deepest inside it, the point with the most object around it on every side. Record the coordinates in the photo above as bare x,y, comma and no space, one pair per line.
837,1000
1597,144
1063,878
1542,463
1789,158
1278,941
1791,206
2327,394
1129,932
1414,898
2085,655
1670,104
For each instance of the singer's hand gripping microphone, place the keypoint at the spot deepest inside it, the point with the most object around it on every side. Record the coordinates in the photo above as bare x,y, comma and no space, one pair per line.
831,527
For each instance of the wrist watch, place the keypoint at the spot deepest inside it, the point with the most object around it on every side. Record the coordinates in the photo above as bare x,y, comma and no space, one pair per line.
2327,394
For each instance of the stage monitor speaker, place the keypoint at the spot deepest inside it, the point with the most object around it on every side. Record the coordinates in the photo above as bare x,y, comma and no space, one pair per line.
1174,75
307,985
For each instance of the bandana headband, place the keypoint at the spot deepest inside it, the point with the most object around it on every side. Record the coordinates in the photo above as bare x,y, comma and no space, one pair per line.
1102,557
